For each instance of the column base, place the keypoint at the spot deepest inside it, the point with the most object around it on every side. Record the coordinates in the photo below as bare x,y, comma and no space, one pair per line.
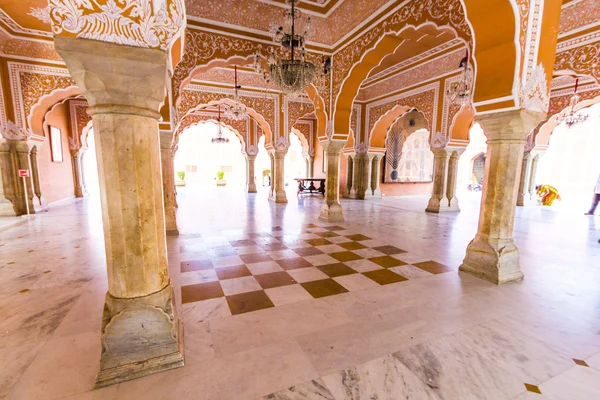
252,189
278,197
495,263
442,206
353,194
332,213
172,232
140,336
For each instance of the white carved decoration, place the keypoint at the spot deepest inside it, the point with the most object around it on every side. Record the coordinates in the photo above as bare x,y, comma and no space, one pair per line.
361,148
140,23
41,13
252,150
281,143
10,130
329,130
534,92
439,140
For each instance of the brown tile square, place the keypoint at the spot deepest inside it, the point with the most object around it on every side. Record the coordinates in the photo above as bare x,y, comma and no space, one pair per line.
274,279
352,245
532,388
293,263
201,291
323,288
338,269
387,261
358,237
196,265
433,267
326,234
318,242
233,272
344,256
581,363
384,276
389,250
242,243
335,228
307,251
247,302
255,258
273,246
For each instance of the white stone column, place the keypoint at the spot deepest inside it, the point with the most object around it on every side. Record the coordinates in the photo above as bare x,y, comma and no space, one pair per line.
277,176
78,182
8,184
349,175
445,174
125,86
527,194
311,167
39,201
493,255
376,175
361,187
251,173
168,179
332,209
23,161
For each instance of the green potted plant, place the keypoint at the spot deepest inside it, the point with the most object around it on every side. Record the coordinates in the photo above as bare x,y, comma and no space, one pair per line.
181,178
220,180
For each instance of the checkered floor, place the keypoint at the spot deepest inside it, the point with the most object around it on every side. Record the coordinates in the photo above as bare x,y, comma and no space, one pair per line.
254,271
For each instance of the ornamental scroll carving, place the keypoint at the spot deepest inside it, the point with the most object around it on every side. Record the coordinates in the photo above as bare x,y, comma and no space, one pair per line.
582,60
424,102
265,106
195,119
10,130
296,110
534,93
449,12
151,24
204,47
559,103
79,120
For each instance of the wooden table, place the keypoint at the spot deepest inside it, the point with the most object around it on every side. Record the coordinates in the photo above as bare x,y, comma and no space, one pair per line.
311,189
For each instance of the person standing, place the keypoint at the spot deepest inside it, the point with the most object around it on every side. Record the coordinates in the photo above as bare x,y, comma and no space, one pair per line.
596,199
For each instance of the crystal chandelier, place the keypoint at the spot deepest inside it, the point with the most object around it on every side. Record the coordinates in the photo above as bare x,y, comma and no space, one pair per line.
291,74
572,118
460,92
238,110
219,138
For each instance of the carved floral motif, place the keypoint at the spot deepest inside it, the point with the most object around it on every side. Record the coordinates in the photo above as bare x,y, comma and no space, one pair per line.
424,102
577,14
34,86
534,93
41,13
153,24
297,110
582,60
194,119
10,130
449,12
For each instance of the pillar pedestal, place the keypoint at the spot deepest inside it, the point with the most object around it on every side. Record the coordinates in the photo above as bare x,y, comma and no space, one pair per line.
168,179
493,255
445,171
125,86
331,210
278,194
251,173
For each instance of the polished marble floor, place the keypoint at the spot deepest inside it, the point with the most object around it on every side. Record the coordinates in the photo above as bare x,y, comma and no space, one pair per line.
438,334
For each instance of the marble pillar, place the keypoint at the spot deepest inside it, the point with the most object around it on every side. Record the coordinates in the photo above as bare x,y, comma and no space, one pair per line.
125,86
23,160
492,254
39,200
277,177
78,180
376,175
349,175
310,164
251,173
331,210
361,186
445,173
8,183
527,194
168,180
272,176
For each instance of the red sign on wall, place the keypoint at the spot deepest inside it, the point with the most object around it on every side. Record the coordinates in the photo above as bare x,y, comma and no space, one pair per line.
23,173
